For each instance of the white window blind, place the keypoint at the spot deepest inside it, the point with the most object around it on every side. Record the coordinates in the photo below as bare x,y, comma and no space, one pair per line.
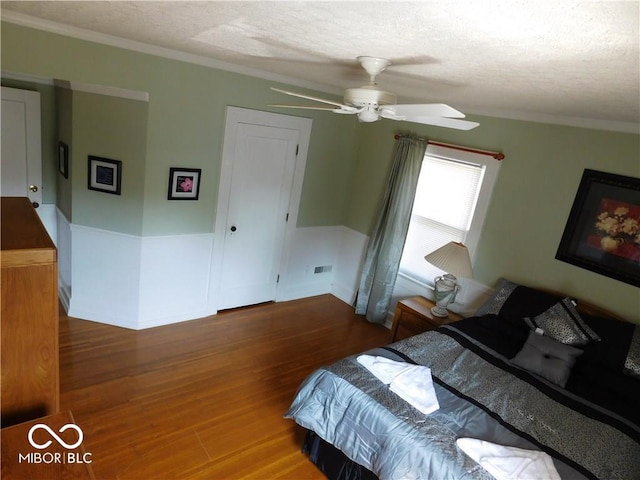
443,211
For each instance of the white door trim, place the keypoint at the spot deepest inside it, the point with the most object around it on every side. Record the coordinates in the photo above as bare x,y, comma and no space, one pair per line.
235,116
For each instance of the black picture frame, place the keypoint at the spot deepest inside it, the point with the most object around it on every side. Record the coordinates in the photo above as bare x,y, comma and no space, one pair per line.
63,159
184,183
602,233
105,175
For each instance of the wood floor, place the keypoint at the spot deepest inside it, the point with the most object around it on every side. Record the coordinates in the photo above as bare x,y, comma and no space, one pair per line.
203,399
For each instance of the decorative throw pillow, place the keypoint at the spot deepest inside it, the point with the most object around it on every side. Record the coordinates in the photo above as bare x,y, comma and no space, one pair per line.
619,349
547,357
497,299
632,362
512,300
563,323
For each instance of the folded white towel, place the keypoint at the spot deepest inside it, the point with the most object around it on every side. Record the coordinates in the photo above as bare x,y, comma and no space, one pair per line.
509,463
415,385
412,383
383,368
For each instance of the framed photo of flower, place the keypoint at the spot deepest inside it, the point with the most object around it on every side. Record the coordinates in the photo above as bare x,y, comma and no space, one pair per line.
602,233
184,183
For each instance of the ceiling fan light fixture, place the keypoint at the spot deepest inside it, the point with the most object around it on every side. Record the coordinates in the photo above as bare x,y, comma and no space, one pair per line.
369,114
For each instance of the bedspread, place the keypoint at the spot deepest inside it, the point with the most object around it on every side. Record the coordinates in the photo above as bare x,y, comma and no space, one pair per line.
481,395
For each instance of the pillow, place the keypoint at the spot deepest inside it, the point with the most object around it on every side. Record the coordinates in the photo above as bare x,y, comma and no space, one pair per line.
632,362
516,301
547,357
563,323
619,349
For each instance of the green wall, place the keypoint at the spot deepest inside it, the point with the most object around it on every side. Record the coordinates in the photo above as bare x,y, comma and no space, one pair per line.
115,129
531,202
347,163
64,116
186,113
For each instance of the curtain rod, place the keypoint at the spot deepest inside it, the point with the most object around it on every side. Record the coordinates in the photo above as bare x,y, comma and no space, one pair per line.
496,155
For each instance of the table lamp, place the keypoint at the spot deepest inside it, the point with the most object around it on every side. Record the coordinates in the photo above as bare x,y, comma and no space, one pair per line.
454,259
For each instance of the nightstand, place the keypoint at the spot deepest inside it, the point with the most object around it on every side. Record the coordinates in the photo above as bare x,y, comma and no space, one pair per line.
413,315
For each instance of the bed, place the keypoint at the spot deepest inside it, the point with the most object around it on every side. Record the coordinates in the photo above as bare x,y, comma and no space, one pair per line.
533,380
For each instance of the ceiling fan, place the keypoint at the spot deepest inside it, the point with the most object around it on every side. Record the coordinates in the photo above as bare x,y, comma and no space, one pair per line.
370,103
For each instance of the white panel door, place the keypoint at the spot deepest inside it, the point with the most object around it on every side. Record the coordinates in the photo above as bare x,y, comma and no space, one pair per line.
263,164
21,156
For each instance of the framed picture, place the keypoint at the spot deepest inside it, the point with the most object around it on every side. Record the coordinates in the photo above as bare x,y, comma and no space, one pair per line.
602,233
184,183
63,159
105,175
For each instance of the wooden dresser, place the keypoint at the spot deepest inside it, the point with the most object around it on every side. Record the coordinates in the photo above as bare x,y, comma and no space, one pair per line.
29,329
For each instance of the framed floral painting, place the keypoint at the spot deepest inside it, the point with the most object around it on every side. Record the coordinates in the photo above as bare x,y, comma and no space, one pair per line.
602,233
184,183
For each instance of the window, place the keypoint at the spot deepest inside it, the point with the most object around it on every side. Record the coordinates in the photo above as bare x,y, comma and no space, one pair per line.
451,202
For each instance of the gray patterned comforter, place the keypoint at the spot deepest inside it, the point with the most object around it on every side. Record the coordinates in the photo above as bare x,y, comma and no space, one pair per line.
479,397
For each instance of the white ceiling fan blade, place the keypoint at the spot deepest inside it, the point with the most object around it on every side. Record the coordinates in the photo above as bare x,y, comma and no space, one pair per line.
309,97
442,122
343,109
305,107
427,110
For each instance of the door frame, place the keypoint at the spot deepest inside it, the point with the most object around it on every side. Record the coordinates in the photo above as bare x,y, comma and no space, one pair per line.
234,117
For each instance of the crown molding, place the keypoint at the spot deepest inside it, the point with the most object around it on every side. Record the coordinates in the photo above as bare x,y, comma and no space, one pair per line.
103,90
579,122
26,77
79,86
140,47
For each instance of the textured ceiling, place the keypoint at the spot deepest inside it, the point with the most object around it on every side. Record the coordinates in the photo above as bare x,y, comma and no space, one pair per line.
520,59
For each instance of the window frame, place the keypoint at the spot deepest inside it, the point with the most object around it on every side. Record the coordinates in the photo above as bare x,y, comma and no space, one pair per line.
491,169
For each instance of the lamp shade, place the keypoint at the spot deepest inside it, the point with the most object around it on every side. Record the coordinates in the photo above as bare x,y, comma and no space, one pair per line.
453,258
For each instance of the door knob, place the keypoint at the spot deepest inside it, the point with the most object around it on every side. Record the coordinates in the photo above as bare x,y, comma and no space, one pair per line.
33,188
233,228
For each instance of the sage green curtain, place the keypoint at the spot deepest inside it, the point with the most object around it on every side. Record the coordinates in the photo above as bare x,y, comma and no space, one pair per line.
384,250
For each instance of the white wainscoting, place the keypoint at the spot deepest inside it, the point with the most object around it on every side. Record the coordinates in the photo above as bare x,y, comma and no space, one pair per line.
351,253
323,260
63,231
47,214
139,282
142,282
312,247
175,272
105,268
